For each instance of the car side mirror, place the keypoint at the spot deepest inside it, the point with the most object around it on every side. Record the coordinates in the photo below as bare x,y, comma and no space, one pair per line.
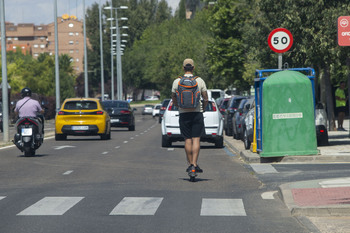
247,106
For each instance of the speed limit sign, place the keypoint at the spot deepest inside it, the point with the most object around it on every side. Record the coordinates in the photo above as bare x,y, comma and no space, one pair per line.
280,40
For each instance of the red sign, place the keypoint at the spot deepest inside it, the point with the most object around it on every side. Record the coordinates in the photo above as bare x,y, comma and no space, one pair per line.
344,30
280,40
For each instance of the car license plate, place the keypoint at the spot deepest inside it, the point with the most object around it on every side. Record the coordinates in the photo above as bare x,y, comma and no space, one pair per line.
114,120
27,131
80,127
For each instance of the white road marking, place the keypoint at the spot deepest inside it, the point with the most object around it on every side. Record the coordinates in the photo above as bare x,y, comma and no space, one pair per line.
51,206
104,153
2,197
136,135
117,147
171,149
125,141
68,172
268,195
141,133
137,206
263,168
333,183
222,207
131,138
63,147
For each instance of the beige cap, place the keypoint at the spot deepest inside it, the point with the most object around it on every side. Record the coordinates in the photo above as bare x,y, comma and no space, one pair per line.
188,61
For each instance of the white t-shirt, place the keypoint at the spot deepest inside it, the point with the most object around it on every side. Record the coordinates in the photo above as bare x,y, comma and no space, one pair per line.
201,86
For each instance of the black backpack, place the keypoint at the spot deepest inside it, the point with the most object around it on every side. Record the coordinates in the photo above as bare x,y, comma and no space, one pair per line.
187,93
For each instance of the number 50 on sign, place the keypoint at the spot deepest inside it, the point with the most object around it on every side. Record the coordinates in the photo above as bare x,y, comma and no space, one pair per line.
280,40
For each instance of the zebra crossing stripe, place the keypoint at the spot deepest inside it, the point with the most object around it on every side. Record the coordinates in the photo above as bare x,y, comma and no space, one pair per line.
263,168
222,207
51,206
2,197
137,206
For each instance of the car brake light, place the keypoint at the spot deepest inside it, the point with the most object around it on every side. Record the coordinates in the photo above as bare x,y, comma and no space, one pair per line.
169,134
321,130
99,113
240,114
60,113
162,108
214,134
125,112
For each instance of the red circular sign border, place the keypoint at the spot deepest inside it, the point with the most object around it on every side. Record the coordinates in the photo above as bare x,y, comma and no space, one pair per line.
280,30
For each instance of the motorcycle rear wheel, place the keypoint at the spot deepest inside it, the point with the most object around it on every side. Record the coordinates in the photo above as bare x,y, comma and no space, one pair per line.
29,153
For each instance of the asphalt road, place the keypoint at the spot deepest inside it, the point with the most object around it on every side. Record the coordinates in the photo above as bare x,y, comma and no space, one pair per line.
131,184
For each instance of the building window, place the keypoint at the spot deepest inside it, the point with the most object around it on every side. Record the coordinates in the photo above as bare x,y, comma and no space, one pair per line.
77,51
23,47
16,38
77,42
70,25
9,38
42,46
40,28
14,47
77,33
71,34
36,54
77,59
71,42
71,51
36,46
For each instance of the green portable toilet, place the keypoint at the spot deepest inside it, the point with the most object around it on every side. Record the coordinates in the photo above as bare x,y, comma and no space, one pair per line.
288,123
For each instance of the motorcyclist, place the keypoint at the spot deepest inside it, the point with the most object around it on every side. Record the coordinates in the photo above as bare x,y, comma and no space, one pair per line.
28,107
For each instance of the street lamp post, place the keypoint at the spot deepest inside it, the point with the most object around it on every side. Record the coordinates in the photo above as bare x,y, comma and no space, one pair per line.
5,109
118,59
101,54
86,85
57,68
112,67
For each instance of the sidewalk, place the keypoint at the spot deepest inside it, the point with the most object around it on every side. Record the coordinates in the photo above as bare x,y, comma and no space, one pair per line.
325,203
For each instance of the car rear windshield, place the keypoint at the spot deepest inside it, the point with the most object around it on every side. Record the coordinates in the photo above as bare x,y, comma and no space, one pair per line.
235,102
80,105
115,104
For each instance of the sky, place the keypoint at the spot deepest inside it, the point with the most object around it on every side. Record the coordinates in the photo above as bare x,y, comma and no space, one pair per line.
41,11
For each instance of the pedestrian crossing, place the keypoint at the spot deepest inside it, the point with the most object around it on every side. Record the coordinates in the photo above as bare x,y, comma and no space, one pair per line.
131,206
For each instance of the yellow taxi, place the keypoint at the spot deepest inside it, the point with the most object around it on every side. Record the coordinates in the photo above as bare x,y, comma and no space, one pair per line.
82,117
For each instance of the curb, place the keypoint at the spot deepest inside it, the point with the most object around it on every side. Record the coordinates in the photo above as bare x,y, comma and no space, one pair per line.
285,192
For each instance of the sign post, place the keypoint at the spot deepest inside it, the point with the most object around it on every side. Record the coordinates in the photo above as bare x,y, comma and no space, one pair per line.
344,40
280,40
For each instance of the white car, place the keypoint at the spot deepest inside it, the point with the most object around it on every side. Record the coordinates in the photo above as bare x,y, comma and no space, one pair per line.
213,122
156,110
153,97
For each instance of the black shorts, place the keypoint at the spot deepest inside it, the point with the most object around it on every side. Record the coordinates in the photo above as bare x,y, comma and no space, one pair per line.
191,124
340,109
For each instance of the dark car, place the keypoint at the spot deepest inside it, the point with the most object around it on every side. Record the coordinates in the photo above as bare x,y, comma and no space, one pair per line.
228,114
165,103
122,115
223,105
248,122
237,120
1,129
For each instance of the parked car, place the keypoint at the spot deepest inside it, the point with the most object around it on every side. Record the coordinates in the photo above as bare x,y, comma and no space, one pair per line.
121,114
153,97
248,123
321,125
223,105
237,120
156,110
147,109
82,117
212,120
165,103
228,113
1,126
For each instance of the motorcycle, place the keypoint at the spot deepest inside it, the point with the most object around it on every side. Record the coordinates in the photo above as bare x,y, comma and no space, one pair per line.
29,136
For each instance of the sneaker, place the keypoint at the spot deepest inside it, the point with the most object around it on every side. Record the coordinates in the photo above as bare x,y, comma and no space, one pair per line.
198,169
189,168
343,129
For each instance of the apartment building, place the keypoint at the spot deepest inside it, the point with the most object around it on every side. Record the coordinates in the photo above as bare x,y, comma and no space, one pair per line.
37,39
